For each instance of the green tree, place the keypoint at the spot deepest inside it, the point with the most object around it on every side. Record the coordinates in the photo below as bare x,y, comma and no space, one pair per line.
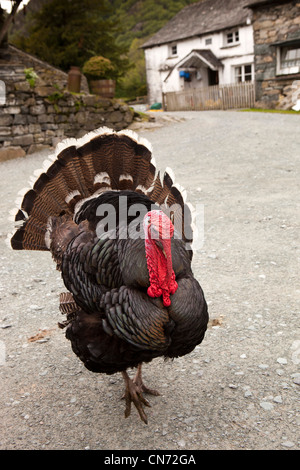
143,18
134,82
140,19
70,32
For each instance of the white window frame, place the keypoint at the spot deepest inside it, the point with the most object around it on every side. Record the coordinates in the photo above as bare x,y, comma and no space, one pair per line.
243,73
173,50
288,66
232,38
208,41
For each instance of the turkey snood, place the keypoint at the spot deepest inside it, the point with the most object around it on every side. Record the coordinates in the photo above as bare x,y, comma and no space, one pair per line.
158,233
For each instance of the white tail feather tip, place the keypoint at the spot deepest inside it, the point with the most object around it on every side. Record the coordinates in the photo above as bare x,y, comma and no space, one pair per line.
102,177
126,177
71,195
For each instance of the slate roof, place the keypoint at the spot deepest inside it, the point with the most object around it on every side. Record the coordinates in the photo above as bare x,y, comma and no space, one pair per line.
258,3
201,18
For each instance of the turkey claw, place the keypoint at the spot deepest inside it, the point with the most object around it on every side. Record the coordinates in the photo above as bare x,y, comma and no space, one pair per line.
142,387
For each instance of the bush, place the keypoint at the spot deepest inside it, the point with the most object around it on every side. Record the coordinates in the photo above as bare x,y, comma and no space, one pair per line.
98,67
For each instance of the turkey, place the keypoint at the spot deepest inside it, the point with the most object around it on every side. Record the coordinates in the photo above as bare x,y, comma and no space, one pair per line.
121,236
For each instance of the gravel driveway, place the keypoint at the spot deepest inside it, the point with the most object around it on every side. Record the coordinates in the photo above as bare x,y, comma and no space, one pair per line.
240,388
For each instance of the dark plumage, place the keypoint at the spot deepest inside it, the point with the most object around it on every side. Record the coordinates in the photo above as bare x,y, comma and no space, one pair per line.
104,213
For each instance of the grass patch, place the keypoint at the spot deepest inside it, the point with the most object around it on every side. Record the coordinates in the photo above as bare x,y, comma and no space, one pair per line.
277,111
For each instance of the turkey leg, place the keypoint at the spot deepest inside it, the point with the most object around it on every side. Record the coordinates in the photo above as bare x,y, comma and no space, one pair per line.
133,393
139,382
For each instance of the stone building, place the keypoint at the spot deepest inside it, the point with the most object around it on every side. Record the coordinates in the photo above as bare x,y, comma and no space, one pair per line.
276,26
206,43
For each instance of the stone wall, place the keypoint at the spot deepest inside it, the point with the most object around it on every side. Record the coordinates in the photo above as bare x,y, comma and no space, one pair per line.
31,121
290,97
274,23
36,117
13,61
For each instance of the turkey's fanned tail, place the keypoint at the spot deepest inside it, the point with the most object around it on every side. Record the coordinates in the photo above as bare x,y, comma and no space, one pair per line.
102,160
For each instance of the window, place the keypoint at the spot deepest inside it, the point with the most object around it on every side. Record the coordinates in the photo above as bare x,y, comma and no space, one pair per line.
232,38
208,41
173,49
288,59
243,73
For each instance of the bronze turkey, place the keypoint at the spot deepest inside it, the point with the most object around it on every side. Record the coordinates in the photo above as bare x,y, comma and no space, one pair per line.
121,234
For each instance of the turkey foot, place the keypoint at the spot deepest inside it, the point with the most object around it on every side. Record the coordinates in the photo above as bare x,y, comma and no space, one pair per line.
139,382
133,393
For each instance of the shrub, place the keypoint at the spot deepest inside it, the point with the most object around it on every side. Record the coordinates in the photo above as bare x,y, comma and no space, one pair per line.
98,67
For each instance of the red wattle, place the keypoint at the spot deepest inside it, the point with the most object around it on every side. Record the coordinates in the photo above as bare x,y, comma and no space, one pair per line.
166,300
159,263
154,291
173,287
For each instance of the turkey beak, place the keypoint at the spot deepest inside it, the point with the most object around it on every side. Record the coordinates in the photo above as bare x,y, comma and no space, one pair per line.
163,244
161,247
157,240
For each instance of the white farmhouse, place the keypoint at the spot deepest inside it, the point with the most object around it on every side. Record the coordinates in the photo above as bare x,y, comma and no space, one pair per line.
207,43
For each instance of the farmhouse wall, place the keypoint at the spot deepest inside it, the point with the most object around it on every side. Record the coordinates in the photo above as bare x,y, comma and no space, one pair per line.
273,24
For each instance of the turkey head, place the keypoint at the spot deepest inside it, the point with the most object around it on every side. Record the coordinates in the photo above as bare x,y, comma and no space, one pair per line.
159,230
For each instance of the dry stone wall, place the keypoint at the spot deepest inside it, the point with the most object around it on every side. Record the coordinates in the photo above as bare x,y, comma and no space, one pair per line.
37,116
30,122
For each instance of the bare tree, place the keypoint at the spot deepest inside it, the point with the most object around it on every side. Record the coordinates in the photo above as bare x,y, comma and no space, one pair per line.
9,18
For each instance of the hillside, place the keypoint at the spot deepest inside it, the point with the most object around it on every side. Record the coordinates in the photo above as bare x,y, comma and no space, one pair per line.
141,18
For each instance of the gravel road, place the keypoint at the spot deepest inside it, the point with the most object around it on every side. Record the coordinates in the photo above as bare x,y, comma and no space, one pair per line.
240,388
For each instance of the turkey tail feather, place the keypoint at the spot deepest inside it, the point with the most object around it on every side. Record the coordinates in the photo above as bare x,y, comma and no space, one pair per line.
81,169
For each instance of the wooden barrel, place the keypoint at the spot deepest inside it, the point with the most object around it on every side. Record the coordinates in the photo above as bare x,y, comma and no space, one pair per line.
105,88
